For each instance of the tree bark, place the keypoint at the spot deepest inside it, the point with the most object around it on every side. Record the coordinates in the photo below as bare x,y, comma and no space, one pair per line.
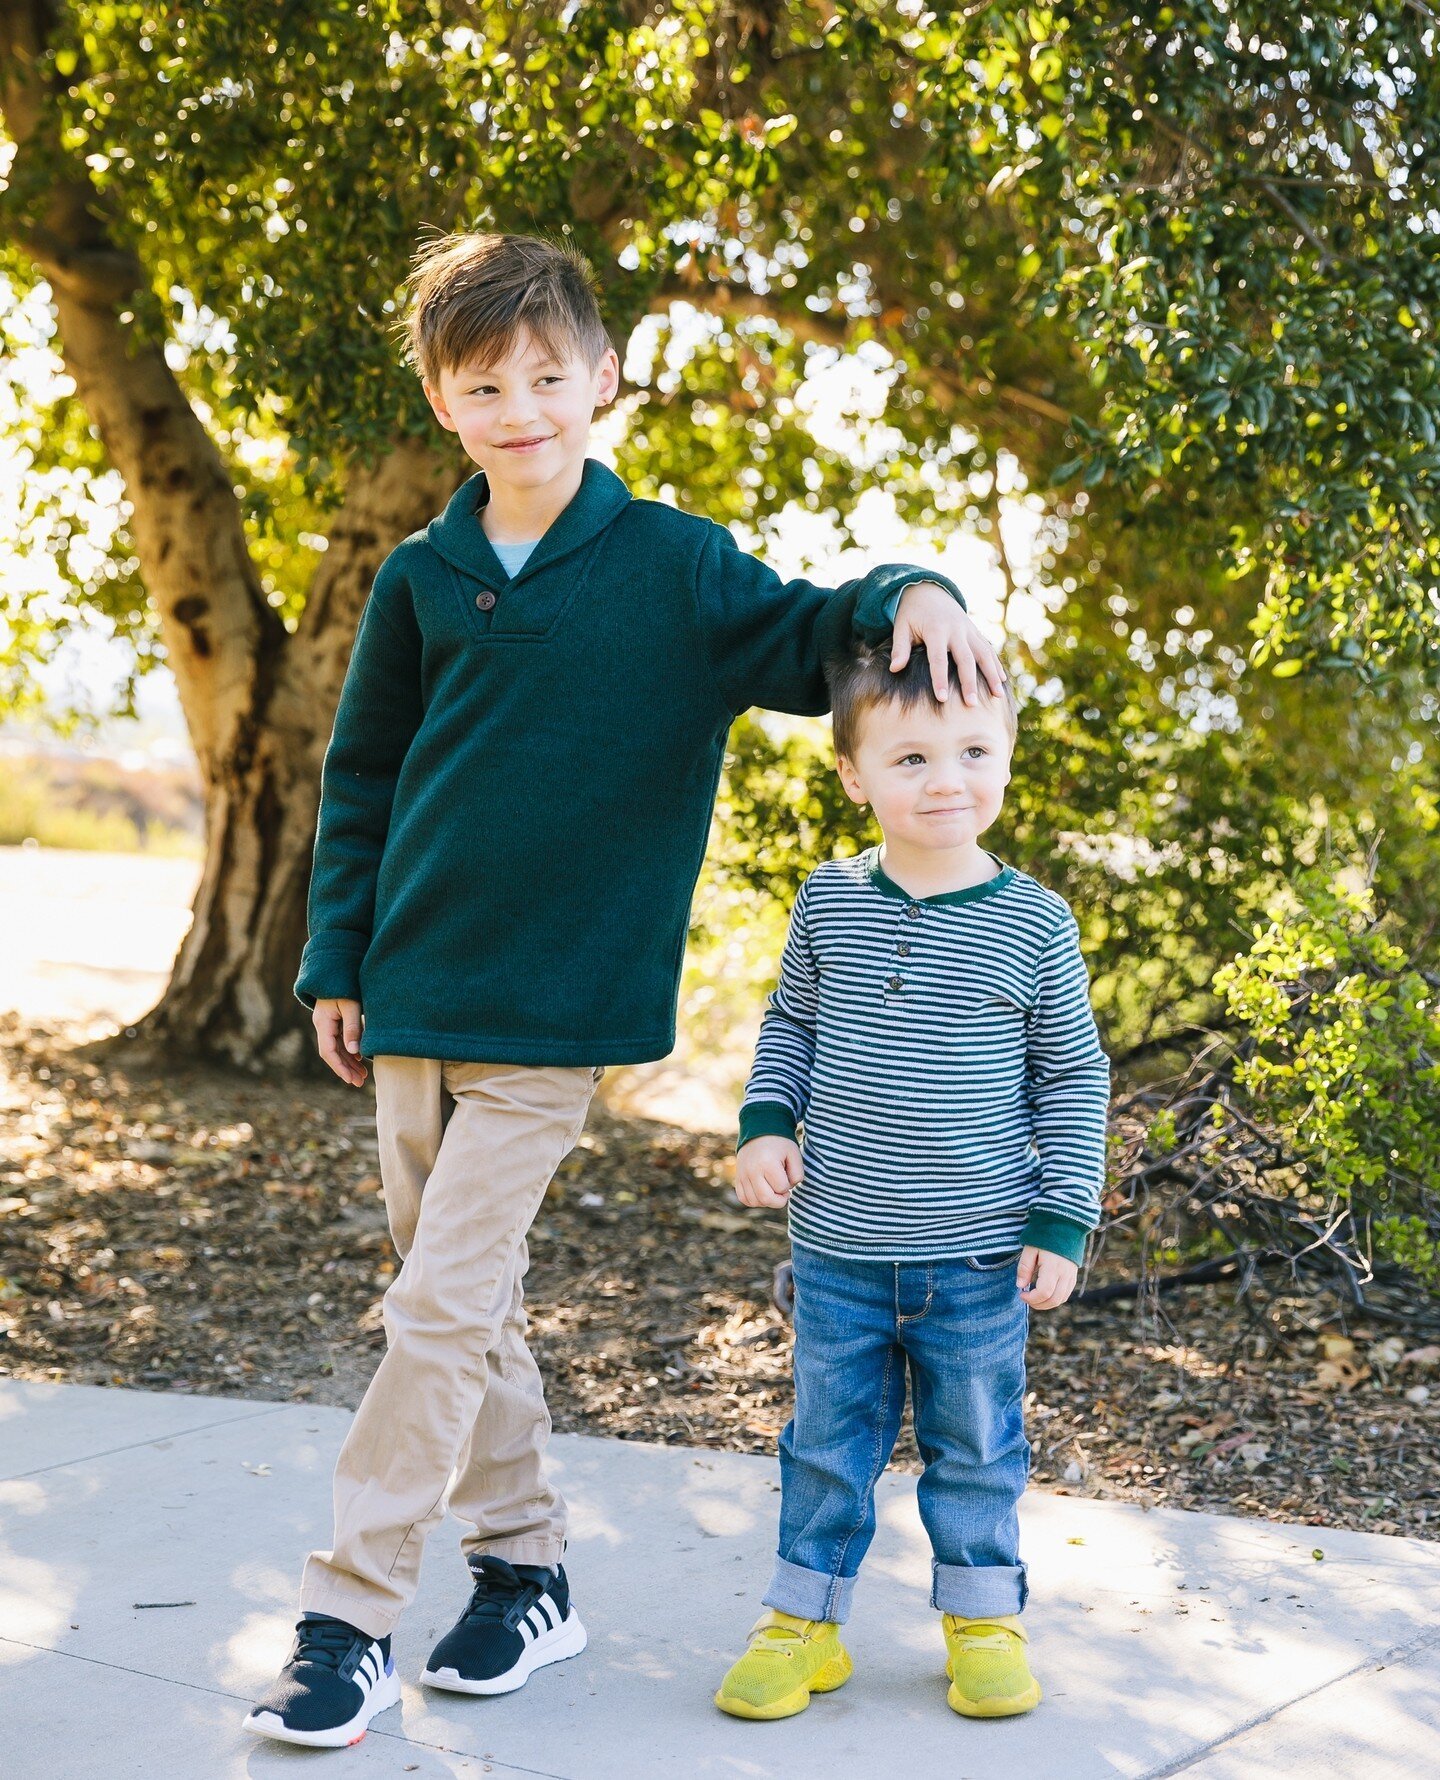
258,701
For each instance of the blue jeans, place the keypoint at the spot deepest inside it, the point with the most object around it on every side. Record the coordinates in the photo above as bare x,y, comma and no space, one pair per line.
960,1327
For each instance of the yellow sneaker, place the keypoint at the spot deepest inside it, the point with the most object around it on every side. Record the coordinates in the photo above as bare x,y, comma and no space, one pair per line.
788,1660
989,1676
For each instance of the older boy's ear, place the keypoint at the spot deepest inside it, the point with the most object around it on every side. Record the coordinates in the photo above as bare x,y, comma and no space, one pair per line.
437,403
609,376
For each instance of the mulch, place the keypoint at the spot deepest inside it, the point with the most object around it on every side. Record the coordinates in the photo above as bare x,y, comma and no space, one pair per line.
193,1230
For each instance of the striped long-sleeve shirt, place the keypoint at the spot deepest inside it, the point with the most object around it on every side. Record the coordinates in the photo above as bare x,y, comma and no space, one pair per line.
941,1060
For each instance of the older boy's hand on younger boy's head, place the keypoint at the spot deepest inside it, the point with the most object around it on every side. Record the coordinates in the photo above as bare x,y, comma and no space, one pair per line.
1045,1280
929,615
337,1033
765,1171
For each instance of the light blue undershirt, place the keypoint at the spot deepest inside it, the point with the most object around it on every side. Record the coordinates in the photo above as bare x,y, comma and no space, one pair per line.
513,556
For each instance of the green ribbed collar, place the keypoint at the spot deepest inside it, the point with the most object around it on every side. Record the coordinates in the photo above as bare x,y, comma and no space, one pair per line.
458,536
946,898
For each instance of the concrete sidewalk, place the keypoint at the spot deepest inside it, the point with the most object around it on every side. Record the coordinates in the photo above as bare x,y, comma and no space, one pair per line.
1166,1641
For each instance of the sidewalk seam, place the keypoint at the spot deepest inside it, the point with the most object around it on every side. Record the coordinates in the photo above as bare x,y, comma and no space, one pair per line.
224,1421
1397,1653
219,1693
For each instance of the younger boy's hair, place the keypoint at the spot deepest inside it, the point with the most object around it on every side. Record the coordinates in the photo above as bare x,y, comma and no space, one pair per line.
471,294
862,679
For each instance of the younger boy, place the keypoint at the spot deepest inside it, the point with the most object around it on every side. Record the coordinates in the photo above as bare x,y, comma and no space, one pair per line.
931,1032
514,807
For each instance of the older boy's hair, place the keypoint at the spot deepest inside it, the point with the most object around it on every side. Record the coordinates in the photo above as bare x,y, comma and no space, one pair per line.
471,294
863,679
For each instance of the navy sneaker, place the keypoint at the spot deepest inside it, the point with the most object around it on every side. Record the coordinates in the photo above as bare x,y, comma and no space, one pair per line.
334,1682
519,1619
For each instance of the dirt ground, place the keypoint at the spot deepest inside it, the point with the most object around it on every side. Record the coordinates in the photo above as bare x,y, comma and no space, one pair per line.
202,1232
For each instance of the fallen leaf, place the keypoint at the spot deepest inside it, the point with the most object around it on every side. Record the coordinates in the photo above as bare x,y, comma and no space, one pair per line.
1341,1373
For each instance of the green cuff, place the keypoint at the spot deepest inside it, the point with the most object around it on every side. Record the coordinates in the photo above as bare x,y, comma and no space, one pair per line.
874,616
330,971
765,1118
1059,1236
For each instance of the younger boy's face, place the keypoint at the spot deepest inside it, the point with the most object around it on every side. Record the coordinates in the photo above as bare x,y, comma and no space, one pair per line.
935,778
526,421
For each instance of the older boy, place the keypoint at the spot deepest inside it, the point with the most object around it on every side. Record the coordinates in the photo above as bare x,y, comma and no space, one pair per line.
932,1034
514,809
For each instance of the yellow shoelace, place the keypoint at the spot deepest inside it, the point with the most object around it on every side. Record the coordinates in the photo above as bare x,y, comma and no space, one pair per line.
998,1638
778,1640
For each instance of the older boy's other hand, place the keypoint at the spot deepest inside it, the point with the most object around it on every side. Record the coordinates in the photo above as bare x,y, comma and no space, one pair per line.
1045,1280
765,1171
929,615
337,1033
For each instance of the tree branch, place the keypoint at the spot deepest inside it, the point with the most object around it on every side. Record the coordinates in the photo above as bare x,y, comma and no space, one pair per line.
729,301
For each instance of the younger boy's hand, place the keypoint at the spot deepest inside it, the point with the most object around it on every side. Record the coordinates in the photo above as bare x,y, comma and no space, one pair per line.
1045,1280
337,1033
765,1171
929,615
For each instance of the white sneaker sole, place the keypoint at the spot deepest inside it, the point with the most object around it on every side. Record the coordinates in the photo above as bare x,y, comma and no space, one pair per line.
384,1694
551,1647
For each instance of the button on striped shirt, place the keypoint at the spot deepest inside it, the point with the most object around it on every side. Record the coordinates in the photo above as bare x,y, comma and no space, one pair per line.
941,1060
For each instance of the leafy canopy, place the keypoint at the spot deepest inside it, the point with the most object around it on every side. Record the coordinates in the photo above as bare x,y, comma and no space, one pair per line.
1185,254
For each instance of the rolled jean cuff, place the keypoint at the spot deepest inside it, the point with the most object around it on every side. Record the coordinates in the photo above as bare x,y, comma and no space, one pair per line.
971,1591
809,1594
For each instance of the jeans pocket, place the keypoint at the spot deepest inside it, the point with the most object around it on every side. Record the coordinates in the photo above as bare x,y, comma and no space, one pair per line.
991,1263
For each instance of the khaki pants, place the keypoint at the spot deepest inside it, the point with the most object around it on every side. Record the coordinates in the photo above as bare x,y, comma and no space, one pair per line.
466,1153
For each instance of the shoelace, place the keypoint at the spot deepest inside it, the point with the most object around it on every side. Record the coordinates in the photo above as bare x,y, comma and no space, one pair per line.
1001,1638
325,1642
499,1589
777,1640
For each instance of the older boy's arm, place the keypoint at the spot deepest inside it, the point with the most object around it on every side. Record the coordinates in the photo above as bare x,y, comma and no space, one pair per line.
778,1090
767,640
1069,1093
376,720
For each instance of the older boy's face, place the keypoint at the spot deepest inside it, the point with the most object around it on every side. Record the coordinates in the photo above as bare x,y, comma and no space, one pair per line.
935,778
526,421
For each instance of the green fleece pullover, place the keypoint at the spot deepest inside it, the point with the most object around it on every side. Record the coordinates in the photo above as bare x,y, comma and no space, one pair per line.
517,794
